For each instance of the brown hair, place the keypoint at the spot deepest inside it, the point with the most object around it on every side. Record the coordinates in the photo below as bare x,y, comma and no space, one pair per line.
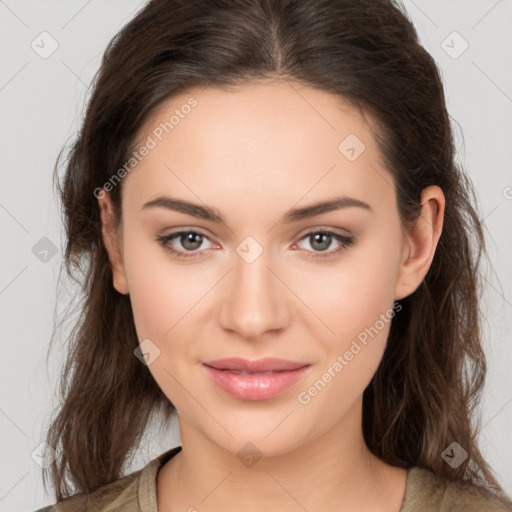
366,52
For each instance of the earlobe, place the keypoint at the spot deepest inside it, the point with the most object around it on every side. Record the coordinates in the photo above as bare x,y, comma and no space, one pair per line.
421,242
112,242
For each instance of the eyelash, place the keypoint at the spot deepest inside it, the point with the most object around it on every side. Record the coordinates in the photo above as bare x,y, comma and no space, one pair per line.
345,242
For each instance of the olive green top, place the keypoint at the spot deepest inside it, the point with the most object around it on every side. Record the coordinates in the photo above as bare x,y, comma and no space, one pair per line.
136,492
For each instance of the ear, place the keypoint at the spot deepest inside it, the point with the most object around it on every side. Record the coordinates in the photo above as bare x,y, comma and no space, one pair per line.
421,242
112,241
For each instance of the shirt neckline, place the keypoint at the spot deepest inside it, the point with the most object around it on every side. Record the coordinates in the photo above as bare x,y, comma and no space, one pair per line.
147,492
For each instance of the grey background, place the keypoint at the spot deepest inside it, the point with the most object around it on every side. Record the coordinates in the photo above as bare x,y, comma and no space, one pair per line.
41,102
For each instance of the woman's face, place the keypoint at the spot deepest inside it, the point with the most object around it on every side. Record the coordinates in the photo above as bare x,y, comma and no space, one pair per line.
264,282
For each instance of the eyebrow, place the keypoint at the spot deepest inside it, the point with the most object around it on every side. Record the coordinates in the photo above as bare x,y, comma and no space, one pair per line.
294,215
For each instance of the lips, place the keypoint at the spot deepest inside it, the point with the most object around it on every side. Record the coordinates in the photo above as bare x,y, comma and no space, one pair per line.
261,366
255,380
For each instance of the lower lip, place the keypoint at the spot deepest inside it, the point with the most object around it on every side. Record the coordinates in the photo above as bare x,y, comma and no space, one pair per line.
256,386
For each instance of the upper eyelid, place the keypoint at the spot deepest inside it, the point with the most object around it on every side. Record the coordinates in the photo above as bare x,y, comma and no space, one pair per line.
337,231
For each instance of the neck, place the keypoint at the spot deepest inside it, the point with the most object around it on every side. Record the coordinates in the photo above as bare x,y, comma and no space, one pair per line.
334,469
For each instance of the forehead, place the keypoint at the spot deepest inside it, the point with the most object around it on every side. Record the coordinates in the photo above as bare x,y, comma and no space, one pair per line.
264,140
259,109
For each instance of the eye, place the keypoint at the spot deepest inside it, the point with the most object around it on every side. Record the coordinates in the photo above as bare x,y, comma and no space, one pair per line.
321,240
189,240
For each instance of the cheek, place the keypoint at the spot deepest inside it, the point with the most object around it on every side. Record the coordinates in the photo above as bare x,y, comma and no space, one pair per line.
361,321
350,295
160,294
355,304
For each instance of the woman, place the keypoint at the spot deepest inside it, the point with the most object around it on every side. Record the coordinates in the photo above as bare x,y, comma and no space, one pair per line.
277,248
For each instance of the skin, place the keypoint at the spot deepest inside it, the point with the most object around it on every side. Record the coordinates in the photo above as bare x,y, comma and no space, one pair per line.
252,153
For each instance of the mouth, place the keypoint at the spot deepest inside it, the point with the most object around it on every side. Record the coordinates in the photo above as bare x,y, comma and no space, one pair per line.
255,380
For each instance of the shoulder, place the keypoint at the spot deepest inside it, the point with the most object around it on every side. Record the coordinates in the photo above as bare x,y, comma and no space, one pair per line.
431,493
130,493
116,496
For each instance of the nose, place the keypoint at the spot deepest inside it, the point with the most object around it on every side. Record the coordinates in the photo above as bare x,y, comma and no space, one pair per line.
255,300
